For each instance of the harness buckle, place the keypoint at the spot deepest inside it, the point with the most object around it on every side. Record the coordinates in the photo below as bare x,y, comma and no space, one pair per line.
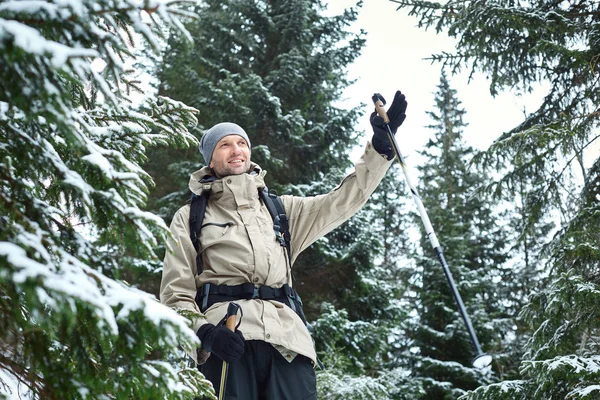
289,293
205,292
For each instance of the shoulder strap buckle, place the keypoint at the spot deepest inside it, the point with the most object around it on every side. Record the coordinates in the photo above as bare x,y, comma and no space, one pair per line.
280,221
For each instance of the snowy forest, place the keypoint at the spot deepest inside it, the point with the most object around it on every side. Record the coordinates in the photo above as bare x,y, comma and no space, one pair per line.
102,104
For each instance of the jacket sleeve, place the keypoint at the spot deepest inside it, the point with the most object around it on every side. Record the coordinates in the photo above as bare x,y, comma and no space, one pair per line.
311,218
178,284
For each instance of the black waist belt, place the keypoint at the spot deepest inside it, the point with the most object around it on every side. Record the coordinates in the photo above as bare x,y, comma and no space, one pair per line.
209,294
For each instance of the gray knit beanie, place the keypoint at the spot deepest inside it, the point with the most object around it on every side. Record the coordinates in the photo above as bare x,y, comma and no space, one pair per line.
216,133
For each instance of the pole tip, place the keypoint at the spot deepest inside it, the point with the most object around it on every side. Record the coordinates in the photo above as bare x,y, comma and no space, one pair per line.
481,361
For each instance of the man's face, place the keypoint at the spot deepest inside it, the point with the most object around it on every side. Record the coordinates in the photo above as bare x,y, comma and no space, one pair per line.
231,156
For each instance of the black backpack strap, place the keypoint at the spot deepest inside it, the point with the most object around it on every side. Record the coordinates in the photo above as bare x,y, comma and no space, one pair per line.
209,294
281,225
197,210
283,219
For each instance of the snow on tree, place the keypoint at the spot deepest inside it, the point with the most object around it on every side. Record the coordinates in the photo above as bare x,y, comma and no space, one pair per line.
517,45
275,68
474,243
71,193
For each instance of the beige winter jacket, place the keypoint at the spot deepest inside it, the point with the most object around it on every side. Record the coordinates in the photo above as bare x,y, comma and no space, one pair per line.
238,245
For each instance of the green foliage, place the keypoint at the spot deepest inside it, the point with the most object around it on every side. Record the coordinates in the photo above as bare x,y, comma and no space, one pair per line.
344,387
389,206
274,68
357,347
518,45
71,193
474,245
508,390
356,355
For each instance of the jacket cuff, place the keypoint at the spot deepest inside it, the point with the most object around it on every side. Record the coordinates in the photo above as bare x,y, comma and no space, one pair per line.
373,155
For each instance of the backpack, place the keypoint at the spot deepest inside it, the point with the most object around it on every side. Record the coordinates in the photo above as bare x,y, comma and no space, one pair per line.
281,230
285,294
270,199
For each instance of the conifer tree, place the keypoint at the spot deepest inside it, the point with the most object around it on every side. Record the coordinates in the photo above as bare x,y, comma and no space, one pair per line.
517,45
358,337
524,274
560,359
71,193
474,243
276,68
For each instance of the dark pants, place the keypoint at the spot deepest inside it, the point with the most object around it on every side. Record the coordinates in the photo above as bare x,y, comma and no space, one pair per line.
263,374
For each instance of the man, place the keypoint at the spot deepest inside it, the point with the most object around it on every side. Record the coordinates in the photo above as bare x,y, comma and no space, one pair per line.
271,354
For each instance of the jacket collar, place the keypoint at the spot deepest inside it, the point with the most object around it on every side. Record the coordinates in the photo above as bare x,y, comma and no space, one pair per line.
203,179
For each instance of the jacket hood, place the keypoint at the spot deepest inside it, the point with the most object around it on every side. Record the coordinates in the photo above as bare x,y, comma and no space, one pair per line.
204,179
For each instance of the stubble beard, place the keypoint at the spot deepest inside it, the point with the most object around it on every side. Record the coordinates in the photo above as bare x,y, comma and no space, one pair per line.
227,170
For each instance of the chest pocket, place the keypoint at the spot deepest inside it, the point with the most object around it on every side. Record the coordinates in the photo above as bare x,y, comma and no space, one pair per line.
217,226
263,239
213,232
226,250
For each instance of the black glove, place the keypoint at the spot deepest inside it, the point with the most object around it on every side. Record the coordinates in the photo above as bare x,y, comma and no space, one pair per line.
225,344
396,114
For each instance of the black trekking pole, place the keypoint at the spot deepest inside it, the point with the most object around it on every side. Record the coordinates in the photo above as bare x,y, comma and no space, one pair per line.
482,359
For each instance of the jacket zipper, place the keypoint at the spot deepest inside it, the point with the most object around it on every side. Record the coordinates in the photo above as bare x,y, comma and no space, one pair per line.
226,226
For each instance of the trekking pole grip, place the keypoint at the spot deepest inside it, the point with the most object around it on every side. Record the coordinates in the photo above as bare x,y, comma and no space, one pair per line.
379,102
231,317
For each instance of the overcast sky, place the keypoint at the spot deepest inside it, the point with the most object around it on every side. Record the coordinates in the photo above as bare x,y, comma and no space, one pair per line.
394,58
